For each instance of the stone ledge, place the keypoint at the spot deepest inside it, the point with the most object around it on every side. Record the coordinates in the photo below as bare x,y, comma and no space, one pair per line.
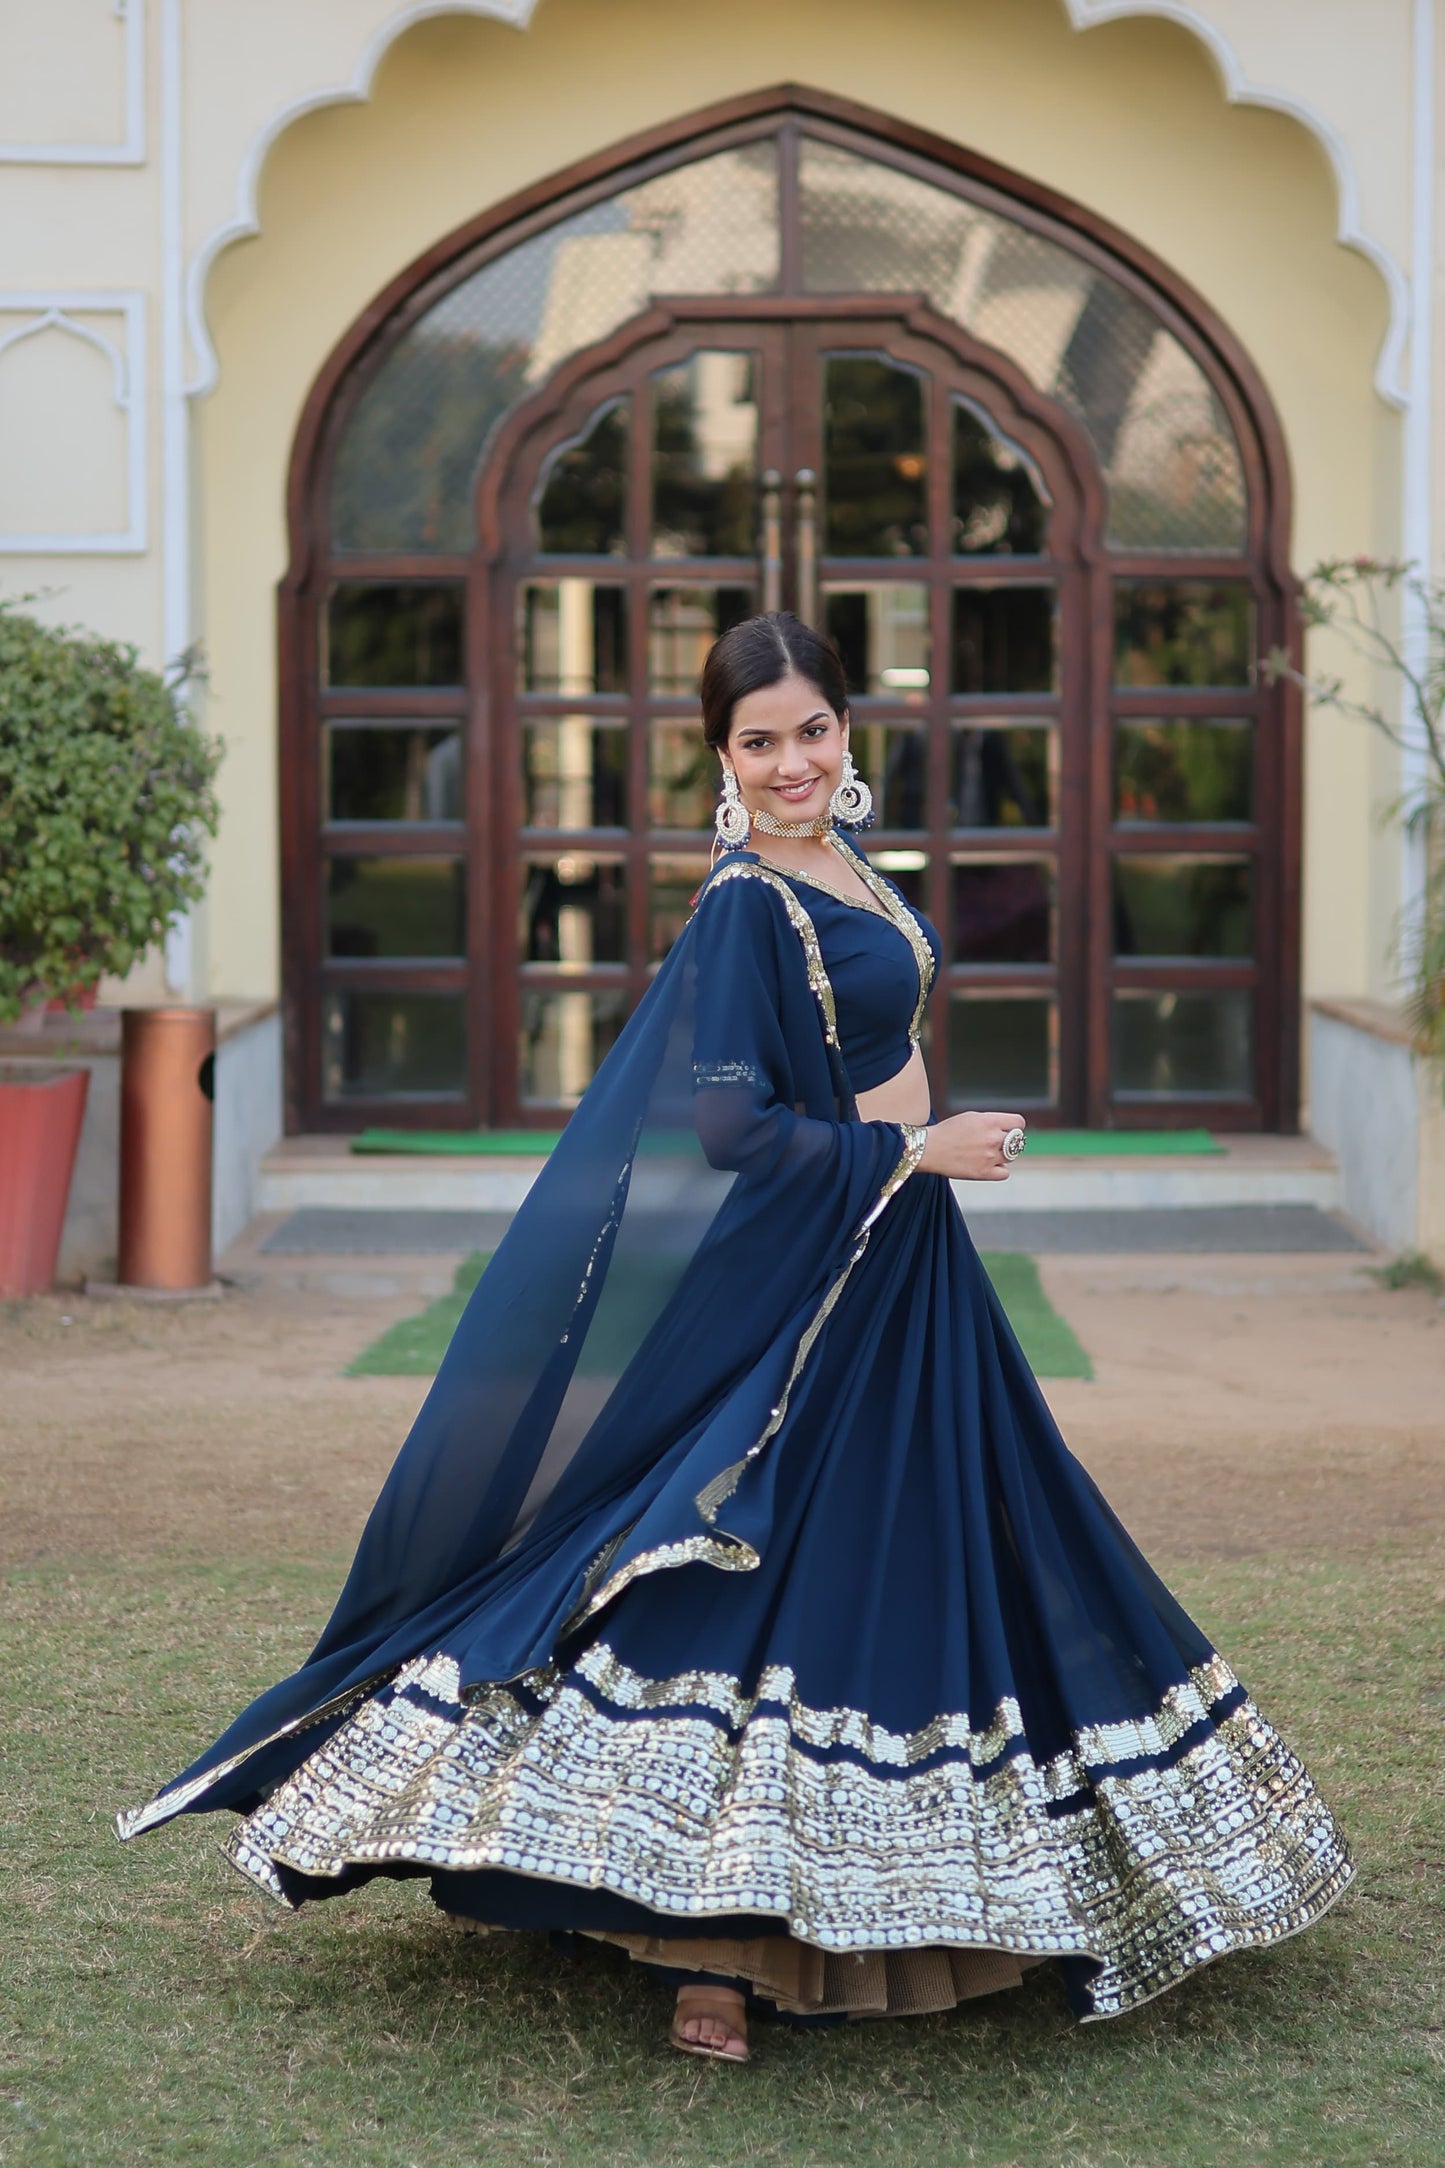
95,1033
1377,1018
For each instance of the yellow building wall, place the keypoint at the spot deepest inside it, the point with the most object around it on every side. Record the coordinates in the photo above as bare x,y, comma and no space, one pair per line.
1127,118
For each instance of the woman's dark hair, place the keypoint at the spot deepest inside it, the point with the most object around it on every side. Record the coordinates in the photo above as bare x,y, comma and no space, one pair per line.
762,651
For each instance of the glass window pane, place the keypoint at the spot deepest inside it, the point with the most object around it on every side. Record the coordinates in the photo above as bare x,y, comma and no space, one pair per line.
1003,910
1000,507
385,634
1003,640
582,507
392,773
672,884
683,622
875,459
1185,1045
892,759
572,637
383,1046
403,906
407,462
1159,428
1183,771
683,780
705,458
1003,776
908,871
1002,1050
1183,906
563,1039
881,627
1183,632
572,911
574,773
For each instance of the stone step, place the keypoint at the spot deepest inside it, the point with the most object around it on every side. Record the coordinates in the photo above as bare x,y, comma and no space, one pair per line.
303,1172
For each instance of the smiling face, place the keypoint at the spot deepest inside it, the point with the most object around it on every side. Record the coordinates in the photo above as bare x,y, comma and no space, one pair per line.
786,746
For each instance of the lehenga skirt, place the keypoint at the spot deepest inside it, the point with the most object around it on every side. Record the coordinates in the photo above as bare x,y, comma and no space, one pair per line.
938,1723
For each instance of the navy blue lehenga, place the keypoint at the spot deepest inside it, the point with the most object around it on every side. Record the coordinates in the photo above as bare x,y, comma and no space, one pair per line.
735,1597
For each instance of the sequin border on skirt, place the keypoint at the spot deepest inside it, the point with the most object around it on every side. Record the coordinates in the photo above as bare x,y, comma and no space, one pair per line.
1151,1847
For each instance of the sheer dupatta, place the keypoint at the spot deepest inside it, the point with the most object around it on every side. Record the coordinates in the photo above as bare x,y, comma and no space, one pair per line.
629,1347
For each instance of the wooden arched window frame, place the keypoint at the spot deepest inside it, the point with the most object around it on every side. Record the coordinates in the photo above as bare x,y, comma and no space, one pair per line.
1269,982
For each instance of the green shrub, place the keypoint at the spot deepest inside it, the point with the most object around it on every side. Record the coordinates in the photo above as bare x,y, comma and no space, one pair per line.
106,802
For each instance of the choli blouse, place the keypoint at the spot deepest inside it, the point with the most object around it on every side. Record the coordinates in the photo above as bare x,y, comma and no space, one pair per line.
881,963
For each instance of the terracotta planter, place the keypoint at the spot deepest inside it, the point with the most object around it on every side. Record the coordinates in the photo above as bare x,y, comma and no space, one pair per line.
40,1117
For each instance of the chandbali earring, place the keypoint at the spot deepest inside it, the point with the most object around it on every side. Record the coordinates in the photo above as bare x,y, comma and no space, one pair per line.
731,819
851,804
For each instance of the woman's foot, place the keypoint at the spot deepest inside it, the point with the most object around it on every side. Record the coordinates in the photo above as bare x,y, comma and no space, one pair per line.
711,2021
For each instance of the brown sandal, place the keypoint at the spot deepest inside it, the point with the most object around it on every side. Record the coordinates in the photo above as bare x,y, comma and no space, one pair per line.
724,2009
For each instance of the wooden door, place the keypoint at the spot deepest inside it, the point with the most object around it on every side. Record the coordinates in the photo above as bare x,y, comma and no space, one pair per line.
865,472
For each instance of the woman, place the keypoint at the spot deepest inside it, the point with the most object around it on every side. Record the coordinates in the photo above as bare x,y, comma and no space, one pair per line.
734,1597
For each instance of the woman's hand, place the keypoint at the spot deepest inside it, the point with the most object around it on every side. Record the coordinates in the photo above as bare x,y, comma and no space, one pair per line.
969,1147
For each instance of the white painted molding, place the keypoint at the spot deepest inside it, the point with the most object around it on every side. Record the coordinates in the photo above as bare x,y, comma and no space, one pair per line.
1418,451
57,311
246,220
1083,14
176,626
1389,381
131,15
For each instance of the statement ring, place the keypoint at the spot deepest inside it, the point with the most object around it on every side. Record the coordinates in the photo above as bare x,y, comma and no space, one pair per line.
1013,1143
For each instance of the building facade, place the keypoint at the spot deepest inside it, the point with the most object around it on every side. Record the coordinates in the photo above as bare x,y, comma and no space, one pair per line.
453,374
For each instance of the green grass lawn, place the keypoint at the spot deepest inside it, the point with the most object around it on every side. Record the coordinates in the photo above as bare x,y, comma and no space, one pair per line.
154,2010
414,1346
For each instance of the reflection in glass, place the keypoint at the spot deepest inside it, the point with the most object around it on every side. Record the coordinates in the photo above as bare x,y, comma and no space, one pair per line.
1003,640
407,462
1183,632
892,759
908,871
683,622
574,774
1186,1045
392,772
1159,428
1002,1050
672,884
1193,906
1183,771
1000,508
582,507
705,457
875,461
1002,777
380,633
572,911
572,637
387,1046
682,778
402,906
881,627
563,1039
1003,910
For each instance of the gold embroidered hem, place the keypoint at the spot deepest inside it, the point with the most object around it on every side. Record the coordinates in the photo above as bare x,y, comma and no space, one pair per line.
805,1982
1150,1848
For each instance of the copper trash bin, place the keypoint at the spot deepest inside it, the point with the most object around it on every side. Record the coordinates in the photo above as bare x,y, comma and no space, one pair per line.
167,1086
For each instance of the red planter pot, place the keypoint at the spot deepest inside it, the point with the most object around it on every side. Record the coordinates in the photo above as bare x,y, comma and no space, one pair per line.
40,1118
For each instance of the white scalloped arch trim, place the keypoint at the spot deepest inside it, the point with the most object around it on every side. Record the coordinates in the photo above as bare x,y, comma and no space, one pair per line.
1082,14
1087,14
357,91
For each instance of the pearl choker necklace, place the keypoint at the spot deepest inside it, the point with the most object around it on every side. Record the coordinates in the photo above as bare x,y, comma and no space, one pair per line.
794,831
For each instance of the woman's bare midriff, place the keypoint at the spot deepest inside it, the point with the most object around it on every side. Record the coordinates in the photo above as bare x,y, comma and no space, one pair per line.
904,1098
